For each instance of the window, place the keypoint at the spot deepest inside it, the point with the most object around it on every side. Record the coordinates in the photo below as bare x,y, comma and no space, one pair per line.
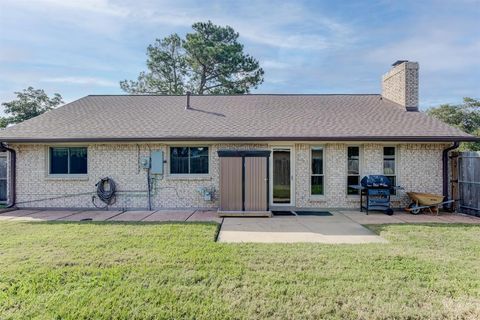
65,160
353,174
317,177
389,165
189,160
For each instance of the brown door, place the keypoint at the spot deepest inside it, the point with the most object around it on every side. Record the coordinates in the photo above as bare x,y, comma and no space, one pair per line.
231,184
256,183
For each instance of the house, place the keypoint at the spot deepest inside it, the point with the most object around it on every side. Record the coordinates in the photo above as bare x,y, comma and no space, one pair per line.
247,153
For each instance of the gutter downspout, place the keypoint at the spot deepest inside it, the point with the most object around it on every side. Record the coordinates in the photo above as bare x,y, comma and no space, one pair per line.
12,183
445,169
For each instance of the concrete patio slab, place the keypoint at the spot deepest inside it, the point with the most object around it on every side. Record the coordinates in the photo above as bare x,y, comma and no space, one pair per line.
457,218
169,215
405,217
205,215
49,215
4,210
17,214
371,218
93,215
337,229
421,218
132,216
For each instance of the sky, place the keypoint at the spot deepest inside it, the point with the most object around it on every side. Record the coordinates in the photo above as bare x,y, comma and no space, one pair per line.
81,47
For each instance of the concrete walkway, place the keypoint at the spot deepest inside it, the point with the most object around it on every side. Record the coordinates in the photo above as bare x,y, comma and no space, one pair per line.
405,217
103,215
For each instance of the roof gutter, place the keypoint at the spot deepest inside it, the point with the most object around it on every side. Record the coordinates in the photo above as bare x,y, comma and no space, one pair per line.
238,138
12,183
445,168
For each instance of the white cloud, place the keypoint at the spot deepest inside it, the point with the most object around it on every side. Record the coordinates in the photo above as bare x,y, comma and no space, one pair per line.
275,64
82,81
96,6
433,53
99,17
285,25
8,54
443,37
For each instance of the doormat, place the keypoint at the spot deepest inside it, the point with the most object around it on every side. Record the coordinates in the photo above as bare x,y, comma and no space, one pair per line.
314,213
283,213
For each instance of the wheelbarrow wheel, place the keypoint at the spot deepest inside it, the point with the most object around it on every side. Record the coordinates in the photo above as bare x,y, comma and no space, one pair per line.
413,211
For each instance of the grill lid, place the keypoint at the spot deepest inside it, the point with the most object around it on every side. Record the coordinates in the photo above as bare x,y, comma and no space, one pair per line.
376,181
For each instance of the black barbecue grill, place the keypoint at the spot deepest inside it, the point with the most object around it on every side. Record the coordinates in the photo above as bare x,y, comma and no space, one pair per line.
375,191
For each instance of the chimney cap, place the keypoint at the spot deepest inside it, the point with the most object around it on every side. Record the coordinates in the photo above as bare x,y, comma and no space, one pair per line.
396,63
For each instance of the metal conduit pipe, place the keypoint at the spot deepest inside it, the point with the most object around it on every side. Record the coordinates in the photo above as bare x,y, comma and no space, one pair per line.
12,183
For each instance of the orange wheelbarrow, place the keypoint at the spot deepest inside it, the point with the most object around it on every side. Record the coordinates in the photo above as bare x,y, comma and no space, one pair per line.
422,201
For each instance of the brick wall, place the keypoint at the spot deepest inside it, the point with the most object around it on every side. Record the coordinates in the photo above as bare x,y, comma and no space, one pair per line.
419,168
121,163
400,85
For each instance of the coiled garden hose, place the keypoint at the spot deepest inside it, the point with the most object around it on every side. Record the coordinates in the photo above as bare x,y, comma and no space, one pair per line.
106,196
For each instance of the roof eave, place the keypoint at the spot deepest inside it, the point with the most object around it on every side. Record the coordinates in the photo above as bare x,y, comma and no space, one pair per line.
198,138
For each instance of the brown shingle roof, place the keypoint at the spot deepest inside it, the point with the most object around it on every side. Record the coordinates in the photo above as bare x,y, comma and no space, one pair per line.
242,117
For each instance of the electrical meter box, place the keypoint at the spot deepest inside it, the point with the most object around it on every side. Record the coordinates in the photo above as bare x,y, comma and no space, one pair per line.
145,162
157,162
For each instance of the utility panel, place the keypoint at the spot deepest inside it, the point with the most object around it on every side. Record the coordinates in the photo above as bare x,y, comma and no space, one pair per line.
145,162
157,162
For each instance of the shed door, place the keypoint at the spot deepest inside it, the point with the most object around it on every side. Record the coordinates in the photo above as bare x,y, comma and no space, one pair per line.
231,184
256,183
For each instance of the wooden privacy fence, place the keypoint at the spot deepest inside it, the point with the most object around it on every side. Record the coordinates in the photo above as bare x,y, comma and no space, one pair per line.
465,181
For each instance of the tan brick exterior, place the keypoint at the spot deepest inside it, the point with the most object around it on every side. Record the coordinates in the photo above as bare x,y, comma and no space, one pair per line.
419,168
121,163
400,85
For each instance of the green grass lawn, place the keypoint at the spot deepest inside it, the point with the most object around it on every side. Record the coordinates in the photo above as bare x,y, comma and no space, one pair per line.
173,271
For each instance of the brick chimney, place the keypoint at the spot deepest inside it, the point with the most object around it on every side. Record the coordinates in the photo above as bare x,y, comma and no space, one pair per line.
400,84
